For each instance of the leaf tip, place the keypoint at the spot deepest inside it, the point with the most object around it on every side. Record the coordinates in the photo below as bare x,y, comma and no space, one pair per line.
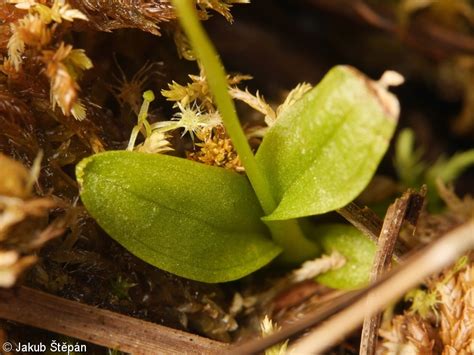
388,101
80,170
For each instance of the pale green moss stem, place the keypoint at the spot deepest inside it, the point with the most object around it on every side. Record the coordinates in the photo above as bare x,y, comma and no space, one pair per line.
142,123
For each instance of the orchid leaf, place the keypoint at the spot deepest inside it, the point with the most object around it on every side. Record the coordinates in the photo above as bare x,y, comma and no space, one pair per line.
193,220
355,247
324,149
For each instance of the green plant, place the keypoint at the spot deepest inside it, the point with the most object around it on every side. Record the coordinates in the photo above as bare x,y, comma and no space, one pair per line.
414,172
214,225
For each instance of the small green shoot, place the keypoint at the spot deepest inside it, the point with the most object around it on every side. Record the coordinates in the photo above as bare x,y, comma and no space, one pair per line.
413,172
120,287
408,159
214,225
425,302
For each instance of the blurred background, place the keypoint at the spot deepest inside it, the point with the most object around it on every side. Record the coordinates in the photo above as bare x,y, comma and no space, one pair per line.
281,43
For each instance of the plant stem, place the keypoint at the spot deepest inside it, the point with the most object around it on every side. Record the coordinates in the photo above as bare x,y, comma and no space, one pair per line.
217,80
296,248
287,234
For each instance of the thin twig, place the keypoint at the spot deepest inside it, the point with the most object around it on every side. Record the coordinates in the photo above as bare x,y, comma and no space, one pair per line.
112,330
396,215
365,220
392,286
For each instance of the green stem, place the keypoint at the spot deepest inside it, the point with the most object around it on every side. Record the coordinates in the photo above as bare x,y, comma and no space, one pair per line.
296,247
217,80
287,234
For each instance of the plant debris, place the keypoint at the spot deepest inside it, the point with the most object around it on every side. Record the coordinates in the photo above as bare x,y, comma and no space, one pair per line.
23,220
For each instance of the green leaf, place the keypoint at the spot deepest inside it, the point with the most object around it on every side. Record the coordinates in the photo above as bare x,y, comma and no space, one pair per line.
448,170
193,220
408,163
358,250
324,149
